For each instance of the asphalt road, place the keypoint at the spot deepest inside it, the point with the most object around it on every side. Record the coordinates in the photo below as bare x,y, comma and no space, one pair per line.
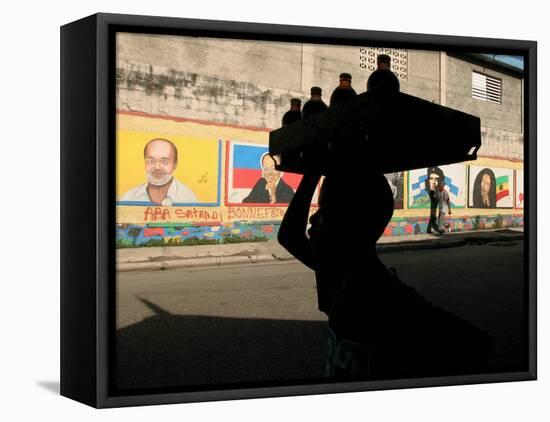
257,323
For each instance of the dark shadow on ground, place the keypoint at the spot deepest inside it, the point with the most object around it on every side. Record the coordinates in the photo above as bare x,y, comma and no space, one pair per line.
168,350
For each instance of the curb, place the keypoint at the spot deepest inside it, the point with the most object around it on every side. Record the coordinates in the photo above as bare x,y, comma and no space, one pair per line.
214,261
217,261
429,244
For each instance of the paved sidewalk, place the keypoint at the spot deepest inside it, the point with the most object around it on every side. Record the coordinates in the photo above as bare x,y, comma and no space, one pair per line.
164,258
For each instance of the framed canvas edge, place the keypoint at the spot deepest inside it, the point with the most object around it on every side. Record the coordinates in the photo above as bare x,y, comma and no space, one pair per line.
254,30
530,257
78,307
311,389
105,168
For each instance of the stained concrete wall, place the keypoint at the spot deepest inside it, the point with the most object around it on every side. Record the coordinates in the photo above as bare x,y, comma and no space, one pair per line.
500,143
262,64
225,81
502,130
248,83
423,75
322,64
243,82
166,91
506,116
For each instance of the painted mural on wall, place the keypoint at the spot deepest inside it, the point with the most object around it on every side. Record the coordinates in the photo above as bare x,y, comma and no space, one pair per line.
195,159
490,187
395,180
251,177
519,195
167,170
422,180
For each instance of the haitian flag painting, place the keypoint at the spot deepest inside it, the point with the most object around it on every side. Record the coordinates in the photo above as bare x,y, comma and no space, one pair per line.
251,177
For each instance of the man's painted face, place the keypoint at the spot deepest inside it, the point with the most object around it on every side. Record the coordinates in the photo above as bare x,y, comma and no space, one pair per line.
485,189
433,180
269,173
485,183
160,162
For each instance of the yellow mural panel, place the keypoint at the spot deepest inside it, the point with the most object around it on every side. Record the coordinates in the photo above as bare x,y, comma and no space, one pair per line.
198,163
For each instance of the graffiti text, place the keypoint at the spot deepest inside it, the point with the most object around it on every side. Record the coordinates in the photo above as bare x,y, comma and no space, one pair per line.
251,213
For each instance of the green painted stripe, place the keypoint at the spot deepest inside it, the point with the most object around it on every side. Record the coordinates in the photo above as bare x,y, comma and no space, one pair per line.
502,179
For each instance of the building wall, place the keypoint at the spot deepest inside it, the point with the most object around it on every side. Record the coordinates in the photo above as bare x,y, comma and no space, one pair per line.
506,116
266,64
182,76
173,87
502,133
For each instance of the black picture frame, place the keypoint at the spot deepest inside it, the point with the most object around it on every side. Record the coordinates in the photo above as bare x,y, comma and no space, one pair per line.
87,196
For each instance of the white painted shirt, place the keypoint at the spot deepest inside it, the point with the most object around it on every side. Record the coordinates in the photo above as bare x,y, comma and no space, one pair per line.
177,193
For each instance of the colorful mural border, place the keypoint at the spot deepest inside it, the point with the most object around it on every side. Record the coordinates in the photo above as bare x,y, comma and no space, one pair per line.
181,234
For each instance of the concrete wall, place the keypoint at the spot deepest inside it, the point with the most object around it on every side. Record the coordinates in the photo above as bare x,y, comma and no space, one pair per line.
226,81
423,75
264,64
244,82
506,116
502,132
500,143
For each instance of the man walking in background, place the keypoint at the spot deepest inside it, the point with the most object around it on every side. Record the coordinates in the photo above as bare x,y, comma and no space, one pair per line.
444,208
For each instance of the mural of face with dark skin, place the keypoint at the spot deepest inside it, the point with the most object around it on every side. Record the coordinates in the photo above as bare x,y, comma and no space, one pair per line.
485,189
484,192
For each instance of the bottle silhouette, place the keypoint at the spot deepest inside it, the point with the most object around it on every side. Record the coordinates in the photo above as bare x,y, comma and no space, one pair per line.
343,92
315,104
294,114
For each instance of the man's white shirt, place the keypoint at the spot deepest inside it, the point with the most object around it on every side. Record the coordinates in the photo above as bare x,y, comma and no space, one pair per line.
177,193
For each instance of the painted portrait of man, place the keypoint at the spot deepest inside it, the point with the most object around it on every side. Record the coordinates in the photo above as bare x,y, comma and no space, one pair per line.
484,194
435,178
270,188
162,188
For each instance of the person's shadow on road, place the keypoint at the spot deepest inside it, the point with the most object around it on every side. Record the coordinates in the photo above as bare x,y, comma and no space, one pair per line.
167,350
